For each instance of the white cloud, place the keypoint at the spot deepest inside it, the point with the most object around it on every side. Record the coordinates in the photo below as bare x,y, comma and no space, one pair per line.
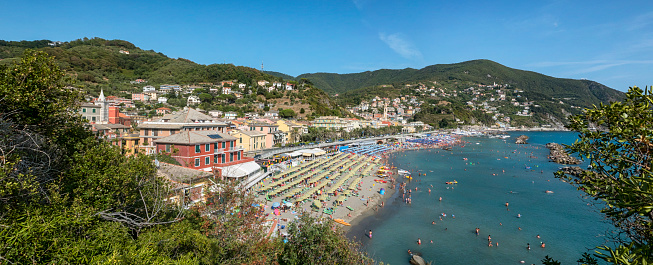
360,3
401,46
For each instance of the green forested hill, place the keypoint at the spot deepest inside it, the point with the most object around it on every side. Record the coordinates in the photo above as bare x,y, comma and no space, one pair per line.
98,63
471,72
282,75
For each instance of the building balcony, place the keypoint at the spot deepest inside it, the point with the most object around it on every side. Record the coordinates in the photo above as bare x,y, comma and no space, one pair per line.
222,151
242,160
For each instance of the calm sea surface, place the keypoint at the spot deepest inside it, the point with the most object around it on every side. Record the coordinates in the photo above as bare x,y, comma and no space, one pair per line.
563,220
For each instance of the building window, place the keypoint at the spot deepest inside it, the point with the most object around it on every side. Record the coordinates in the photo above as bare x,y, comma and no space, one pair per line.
231,144
155,132
215,159
231,157
84,110
238,155
207,147
215,147
197,162
167,148
224,145
241,140
93,118
146,132
93,110
261,128
224,157
207,160
197,149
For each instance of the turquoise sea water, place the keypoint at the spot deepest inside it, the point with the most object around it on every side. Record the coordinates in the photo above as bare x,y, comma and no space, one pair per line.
564,221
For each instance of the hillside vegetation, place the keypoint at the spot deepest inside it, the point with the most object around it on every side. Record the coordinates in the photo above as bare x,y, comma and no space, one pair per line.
96,63
484,72
556,97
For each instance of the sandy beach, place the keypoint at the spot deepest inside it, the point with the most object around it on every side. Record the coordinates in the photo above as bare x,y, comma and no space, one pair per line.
343,169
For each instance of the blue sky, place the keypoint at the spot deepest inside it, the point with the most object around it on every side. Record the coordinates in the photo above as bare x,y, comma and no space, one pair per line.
607,41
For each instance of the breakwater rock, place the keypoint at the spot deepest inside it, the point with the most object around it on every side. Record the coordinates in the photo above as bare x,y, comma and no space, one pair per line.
558,154
574,171
417,260
521,139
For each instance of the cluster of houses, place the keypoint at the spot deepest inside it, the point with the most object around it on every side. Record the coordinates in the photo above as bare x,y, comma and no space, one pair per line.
399,109
205,143
151,94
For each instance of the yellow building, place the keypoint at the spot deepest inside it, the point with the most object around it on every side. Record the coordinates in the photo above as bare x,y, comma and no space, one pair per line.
130,144
249,140
293,131
329,122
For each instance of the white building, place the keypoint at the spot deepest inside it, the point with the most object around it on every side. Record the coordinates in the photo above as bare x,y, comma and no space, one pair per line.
193,100
149,88
162,100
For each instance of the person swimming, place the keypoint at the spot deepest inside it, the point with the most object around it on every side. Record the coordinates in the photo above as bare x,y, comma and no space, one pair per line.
419,241
543,245
528,246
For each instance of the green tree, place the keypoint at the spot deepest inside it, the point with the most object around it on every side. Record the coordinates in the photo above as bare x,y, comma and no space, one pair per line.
287,113
206,97
617,141
313,242
33,91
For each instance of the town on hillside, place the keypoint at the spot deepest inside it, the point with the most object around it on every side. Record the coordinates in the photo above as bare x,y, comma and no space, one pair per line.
197,143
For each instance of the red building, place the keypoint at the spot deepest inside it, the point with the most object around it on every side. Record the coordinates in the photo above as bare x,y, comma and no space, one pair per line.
115,117
208,151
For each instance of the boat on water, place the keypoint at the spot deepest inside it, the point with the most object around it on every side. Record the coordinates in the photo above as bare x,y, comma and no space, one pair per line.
403,172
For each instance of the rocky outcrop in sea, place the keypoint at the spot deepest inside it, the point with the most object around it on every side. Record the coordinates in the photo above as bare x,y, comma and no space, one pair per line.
417,260
521,139
558,155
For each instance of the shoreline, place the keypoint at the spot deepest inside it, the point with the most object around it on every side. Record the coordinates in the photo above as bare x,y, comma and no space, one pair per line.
359,219
365,201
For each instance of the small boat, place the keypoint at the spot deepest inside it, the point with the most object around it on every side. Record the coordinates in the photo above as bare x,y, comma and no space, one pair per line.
342,222
548,191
